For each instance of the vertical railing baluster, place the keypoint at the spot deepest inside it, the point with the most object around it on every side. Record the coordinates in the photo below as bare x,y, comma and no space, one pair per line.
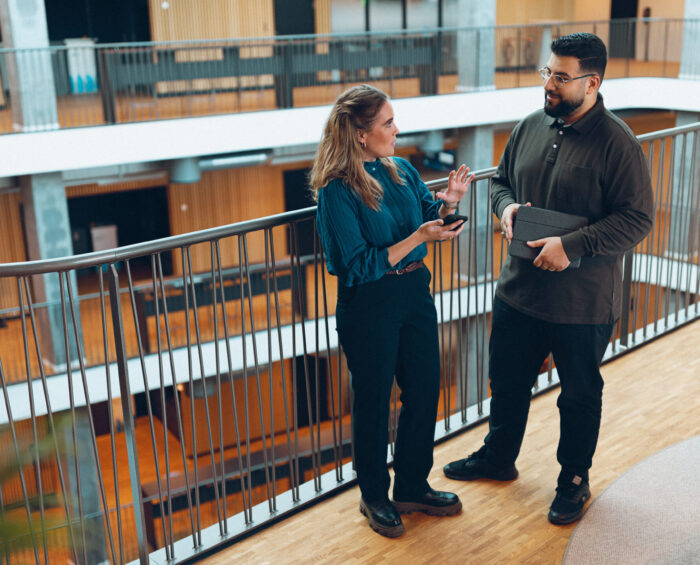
667,231
244,355
129,424
246,507
315,458
270,379
32,411
626,294
178,409
168,506
452,320
91,422
147,396
649,243
110,400
293,459
71,396
220,415
52,426
203,378
336,419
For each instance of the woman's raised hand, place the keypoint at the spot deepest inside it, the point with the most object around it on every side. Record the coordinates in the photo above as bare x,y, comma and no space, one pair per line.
457,185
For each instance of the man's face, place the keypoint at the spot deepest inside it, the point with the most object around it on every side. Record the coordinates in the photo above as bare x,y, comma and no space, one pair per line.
564,101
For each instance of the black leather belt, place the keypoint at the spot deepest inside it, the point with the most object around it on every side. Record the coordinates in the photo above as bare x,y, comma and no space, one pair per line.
407,269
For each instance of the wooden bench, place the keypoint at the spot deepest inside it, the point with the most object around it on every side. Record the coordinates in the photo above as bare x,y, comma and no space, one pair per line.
208,472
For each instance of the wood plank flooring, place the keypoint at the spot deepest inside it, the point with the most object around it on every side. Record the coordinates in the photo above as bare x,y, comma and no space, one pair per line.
650,402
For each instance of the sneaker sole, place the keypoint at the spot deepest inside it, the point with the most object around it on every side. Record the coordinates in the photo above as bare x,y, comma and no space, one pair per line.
387,531
505,477
408,507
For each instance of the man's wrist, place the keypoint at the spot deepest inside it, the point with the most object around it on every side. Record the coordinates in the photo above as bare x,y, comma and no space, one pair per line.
449,206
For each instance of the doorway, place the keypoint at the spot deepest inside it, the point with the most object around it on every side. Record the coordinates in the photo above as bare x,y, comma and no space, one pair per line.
623,31
296,197
294,17
132,216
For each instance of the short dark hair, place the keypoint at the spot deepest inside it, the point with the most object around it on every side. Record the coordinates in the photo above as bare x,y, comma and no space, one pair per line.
588,48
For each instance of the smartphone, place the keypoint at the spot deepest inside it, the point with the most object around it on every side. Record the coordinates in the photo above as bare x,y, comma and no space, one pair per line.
452,218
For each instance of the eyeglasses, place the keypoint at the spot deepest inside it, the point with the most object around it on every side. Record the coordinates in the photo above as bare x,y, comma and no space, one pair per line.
558,80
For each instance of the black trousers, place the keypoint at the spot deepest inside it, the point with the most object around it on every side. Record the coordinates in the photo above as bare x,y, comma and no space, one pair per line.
518,346
388,328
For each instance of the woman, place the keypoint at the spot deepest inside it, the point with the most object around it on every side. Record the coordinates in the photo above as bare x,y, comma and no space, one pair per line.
374,217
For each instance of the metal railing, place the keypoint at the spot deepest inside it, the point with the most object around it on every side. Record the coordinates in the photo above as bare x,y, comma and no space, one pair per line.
237,413
76,86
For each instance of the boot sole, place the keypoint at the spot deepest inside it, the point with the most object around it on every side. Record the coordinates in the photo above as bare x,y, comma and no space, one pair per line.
506,477
408,507
387,531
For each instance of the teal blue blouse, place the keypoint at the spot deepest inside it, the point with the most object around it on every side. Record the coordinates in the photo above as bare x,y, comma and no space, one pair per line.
356,238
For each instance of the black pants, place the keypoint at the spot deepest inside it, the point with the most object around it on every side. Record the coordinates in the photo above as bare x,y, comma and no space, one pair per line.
389,327
518,346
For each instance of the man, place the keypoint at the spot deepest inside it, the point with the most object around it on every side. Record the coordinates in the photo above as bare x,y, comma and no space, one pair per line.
573,156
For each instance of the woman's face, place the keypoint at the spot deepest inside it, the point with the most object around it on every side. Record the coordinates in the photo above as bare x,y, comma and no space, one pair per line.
381,139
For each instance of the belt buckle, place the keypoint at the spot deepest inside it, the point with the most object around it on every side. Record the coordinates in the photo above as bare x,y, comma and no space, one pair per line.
412,266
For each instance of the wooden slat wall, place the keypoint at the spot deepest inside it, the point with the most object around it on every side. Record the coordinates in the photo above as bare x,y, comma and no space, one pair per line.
11,244
225,197
322,15
213,19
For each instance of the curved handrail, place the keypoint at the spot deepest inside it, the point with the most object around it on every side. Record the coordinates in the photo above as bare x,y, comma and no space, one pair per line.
95,258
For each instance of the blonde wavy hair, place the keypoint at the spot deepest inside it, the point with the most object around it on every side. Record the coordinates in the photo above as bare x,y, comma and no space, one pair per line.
340,154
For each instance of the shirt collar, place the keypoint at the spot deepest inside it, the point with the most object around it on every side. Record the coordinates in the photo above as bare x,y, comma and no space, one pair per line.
584,124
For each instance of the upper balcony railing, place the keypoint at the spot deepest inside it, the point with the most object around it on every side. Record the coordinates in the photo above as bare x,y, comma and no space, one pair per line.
180,408
73,86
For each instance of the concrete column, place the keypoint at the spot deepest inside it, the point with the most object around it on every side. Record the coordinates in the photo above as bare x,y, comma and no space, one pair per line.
690,62
48,235
684,232
29,71
475,46
85,494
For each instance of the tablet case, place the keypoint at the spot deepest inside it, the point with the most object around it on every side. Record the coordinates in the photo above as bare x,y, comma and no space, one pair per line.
535,223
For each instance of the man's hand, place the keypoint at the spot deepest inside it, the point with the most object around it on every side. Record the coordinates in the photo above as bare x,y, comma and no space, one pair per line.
552,257
507,219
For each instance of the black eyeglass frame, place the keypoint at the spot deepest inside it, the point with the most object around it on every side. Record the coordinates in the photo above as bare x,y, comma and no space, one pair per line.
559,81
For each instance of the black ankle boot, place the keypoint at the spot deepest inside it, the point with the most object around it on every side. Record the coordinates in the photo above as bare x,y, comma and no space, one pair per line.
383,517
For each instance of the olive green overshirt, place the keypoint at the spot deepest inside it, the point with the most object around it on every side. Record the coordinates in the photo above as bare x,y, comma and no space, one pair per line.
596,168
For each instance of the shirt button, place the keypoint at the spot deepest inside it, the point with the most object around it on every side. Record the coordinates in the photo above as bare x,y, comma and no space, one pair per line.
555,146
561,132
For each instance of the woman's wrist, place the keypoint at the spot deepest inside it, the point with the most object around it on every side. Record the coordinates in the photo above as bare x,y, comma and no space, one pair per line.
449,206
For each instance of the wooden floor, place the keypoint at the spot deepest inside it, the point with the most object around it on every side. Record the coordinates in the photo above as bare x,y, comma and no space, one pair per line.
649,403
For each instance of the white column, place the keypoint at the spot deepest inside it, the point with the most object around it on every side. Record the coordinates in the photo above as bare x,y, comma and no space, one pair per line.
475,46
48,235
29,70
690,55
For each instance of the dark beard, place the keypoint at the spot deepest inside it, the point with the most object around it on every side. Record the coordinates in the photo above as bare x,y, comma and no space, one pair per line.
563,109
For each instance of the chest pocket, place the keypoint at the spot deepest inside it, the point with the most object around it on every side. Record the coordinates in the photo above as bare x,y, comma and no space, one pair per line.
576,190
